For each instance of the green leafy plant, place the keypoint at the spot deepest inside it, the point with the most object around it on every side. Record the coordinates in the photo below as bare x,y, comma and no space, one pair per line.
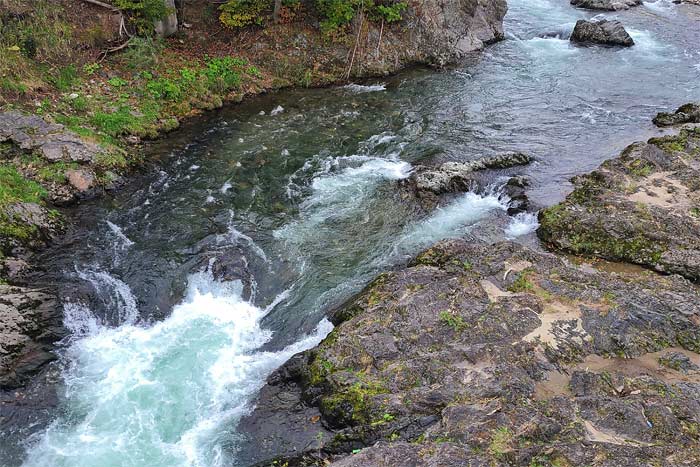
91,68
391,13
117,82
242,13
453,320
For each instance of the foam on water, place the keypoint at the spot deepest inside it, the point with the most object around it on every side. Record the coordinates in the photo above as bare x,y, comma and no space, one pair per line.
451,221
646,44
166,395
115,294
124,241
663,7
360,88
521,224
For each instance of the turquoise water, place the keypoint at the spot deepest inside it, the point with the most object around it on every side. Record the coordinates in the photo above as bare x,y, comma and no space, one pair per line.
302,208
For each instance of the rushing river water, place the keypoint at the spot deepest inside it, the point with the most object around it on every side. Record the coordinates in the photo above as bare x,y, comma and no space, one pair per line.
300,202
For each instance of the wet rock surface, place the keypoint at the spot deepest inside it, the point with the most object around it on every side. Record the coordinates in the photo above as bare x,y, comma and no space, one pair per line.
483,354
688,113
427,185
30,322
606,5
453,177
643,208
601,32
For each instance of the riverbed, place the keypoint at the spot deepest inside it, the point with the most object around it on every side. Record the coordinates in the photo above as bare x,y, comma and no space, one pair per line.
183,290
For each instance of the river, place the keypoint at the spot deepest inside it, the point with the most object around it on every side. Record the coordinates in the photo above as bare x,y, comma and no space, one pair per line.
294,193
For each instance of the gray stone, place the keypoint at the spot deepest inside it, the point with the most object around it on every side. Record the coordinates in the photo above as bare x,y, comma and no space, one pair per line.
480,354
52,141
688,113
30,321
606,5
601,32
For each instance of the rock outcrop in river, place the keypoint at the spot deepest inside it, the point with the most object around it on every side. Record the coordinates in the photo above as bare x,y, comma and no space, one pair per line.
601,32
643,208
688,113
479,354
30,321
606,5
495,355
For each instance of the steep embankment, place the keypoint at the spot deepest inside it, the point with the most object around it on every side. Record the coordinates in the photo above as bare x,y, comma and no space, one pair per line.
482,354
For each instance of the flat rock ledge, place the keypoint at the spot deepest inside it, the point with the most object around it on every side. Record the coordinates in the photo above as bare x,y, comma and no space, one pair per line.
50,140
606,5
642,208
493,355
601,32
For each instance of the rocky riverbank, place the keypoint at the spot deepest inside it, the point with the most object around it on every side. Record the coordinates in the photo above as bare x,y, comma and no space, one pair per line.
83,137
479,354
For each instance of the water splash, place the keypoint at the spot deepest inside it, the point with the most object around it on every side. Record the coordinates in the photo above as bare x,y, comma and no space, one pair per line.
168,394
115,294
521,224
360,88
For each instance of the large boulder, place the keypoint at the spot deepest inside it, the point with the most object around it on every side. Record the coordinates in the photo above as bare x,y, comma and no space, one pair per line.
643,208
482,354
606,5
457,176
601,32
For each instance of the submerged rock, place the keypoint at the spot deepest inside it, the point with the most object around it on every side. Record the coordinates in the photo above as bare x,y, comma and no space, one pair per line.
607,5
30,321
484,354
602,32
688,113
643,208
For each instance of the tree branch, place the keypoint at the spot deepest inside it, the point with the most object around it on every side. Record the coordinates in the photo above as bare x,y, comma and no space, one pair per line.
103,5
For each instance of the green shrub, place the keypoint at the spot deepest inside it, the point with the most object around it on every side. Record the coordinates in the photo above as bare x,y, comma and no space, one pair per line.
338,13
143,53
142,13
222,74
164,89
242,13
391,13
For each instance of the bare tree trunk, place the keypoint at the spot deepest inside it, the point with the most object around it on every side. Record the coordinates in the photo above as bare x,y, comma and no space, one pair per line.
276,11
167,26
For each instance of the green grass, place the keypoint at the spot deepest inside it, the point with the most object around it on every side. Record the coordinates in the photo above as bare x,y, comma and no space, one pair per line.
66,78
522,283
501,442
453,320
15,188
